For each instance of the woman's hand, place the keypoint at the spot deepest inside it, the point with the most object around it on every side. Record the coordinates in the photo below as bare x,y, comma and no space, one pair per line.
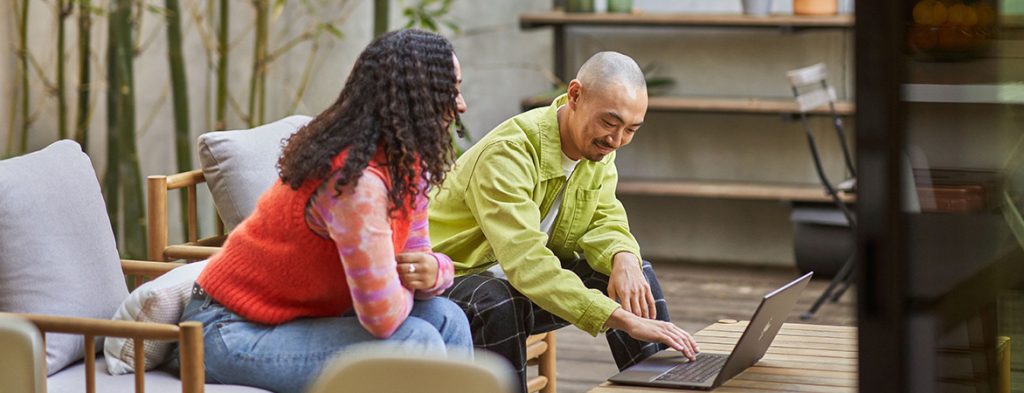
417,270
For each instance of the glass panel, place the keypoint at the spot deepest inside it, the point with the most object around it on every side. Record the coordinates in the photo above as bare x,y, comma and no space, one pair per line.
963,171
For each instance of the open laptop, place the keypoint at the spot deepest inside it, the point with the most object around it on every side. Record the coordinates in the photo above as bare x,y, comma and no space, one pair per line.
672,369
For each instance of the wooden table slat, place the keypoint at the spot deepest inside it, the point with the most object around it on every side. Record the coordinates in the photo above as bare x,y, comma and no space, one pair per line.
782,344
774,350
823,340
787,332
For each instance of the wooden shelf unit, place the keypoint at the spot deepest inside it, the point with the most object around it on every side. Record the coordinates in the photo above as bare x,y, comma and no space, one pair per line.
722,105
560,22
727,190
559,18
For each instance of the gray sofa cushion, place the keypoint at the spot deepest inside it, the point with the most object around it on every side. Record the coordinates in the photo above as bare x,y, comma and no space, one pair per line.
72,380
57,252
240,165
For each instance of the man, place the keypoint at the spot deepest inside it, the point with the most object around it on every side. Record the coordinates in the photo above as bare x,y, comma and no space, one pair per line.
534,194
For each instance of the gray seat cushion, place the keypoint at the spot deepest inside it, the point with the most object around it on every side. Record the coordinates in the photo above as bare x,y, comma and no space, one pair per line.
72,380
57,252
240,165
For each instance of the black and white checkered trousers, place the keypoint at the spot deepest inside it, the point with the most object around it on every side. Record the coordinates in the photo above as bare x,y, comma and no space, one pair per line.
501,318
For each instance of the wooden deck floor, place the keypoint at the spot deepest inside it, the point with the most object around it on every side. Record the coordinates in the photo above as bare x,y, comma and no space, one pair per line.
698,295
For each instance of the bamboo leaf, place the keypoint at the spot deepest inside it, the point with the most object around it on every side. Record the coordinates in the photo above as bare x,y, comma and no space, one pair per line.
333,30
277,9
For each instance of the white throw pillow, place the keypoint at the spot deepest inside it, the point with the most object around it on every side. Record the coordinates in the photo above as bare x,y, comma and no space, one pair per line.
159,301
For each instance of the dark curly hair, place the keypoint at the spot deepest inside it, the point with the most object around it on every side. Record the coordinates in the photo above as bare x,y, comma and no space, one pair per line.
400,97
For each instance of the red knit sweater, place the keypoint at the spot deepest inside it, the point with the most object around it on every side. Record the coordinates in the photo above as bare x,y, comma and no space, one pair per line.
274,269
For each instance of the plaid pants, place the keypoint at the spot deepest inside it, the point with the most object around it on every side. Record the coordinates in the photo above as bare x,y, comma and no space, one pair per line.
501,318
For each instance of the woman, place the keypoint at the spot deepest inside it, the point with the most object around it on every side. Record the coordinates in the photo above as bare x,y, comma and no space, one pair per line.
337,253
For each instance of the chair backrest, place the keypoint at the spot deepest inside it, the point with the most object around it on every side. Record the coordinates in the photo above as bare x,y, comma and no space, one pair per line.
383,371
22,363
808,87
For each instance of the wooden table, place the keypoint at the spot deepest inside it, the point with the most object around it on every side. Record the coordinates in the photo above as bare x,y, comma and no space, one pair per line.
803,358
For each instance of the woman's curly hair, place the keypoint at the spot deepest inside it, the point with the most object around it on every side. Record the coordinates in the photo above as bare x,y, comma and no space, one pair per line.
400,97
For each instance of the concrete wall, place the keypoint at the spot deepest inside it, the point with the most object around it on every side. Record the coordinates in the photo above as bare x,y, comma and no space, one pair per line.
502,65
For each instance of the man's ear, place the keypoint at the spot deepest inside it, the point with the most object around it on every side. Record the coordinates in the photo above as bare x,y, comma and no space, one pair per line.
575,91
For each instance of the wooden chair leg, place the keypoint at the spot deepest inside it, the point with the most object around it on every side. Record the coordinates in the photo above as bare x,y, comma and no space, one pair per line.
547,364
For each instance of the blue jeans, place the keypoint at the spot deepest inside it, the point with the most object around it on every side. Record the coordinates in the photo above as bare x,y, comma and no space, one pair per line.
288,357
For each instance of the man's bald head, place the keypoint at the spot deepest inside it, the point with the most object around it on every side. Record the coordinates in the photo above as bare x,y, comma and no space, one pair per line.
606,69
605,105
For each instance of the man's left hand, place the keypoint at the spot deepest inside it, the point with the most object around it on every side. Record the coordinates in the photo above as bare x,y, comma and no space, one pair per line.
629,287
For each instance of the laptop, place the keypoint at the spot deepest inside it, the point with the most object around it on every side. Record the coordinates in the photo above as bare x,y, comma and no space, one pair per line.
710,370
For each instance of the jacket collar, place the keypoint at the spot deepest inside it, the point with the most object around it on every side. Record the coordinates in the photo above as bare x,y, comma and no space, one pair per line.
551,141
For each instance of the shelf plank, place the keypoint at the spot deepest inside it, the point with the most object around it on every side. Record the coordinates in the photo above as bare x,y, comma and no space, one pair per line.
1003,93
730,105
559,18
727,190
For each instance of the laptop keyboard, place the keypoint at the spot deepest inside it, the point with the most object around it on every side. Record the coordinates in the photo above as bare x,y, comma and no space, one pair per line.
698,370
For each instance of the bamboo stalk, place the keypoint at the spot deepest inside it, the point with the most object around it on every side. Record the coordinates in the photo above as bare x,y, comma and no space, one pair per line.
23,68
13,108
307,72
124,119
257,83
179,96
220,123
84,34
111,176
380,17
62,101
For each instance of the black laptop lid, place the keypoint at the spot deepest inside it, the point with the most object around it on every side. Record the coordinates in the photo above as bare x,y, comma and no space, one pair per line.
764,325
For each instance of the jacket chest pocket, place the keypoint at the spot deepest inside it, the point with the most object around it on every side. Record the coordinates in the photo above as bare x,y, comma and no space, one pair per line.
583,206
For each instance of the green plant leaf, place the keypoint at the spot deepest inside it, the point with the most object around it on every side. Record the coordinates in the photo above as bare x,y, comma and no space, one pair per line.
277,9
333,30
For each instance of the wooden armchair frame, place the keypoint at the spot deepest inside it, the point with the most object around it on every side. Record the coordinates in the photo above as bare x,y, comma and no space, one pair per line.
189,335
540,348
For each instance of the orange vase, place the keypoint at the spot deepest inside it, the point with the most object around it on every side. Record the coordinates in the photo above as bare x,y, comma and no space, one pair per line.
815,7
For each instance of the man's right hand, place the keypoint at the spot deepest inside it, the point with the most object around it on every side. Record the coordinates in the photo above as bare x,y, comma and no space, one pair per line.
652,330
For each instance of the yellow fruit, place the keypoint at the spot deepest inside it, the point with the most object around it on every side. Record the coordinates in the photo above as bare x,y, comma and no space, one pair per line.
939,14
986,15
930,13
970,18
957,14
923,12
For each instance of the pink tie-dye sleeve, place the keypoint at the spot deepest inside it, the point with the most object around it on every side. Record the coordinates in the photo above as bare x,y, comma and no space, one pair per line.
357,221
419,241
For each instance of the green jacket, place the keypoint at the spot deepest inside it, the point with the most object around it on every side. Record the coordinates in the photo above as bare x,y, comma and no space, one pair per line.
490,207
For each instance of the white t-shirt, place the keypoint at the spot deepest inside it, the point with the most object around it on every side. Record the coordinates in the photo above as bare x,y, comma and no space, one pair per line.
568,166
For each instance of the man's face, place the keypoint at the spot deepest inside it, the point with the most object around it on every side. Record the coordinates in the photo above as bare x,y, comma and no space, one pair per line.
601,120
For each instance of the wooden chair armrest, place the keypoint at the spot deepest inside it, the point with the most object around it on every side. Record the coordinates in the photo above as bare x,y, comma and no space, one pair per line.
189,335
101,327
190,252
147,268
185,179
